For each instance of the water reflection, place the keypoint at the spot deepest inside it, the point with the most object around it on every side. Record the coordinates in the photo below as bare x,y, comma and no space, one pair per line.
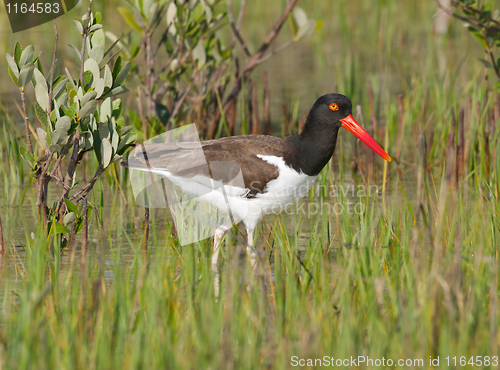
119,240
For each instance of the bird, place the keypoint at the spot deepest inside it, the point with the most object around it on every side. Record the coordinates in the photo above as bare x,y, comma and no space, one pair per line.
275,170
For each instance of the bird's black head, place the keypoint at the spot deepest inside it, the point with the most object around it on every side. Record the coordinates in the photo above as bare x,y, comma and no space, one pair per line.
331,112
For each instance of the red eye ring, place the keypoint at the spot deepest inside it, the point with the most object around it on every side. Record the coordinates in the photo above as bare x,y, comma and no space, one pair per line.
333,107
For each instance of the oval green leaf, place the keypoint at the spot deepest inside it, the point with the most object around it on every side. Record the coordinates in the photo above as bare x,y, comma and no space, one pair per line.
92,66
26,74
122,75
12,64
42,136
99,87
128,16
199,54
42,96
108,77
27,156
69,218
60,136
26,56
97,53
88,109
106,152
64,122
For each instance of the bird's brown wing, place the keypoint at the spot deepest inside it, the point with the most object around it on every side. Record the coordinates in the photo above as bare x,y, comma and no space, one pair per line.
225,157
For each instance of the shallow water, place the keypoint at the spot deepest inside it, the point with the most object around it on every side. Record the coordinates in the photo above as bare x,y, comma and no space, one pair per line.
122,227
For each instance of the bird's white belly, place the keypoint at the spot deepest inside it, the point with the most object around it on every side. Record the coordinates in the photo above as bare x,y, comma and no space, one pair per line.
278,195
282,191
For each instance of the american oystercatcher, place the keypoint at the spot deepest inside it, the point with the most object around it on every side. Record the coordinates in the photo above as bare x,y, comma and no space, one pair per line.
275,170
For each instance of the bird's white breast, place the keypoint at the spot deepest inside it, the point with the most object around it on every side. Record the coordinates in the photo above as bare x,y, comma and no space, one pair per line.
289,185
278,194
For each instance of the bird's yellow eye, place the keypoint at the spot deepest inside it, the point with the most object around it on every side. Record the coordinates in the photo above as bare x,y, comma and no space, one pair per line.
333,107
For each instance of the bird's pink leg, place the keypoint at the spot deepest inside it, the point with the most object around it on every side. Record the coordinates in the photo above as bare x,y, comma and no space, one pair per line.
250,248
218,237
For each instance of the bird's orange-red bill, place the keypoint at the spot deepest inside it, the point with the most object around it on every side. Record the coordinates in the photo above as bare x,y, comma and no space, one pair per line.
350,124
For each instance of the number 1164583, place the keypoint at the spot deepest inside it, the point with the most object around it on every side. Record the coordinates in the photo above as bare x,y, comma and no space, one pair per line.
33,8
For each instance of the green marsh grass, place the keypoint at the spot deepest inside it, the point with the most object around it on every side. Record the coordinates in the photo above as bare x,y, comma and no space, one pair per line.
368,285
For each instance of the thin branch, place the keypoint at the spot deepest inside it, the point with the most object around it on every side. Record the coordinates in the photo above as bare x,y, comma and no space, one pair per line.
164,36
467,20
71,170
53,67
254,61
20,110
240,14
76,146
492,57
82,51
236,29
183,57
61,155
39,200
275,51
87,188
150,76
240,18
114,55
26,122
180,102
487,28
240,39
269,39
42,179
161,91
476,12
172,56
60,179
